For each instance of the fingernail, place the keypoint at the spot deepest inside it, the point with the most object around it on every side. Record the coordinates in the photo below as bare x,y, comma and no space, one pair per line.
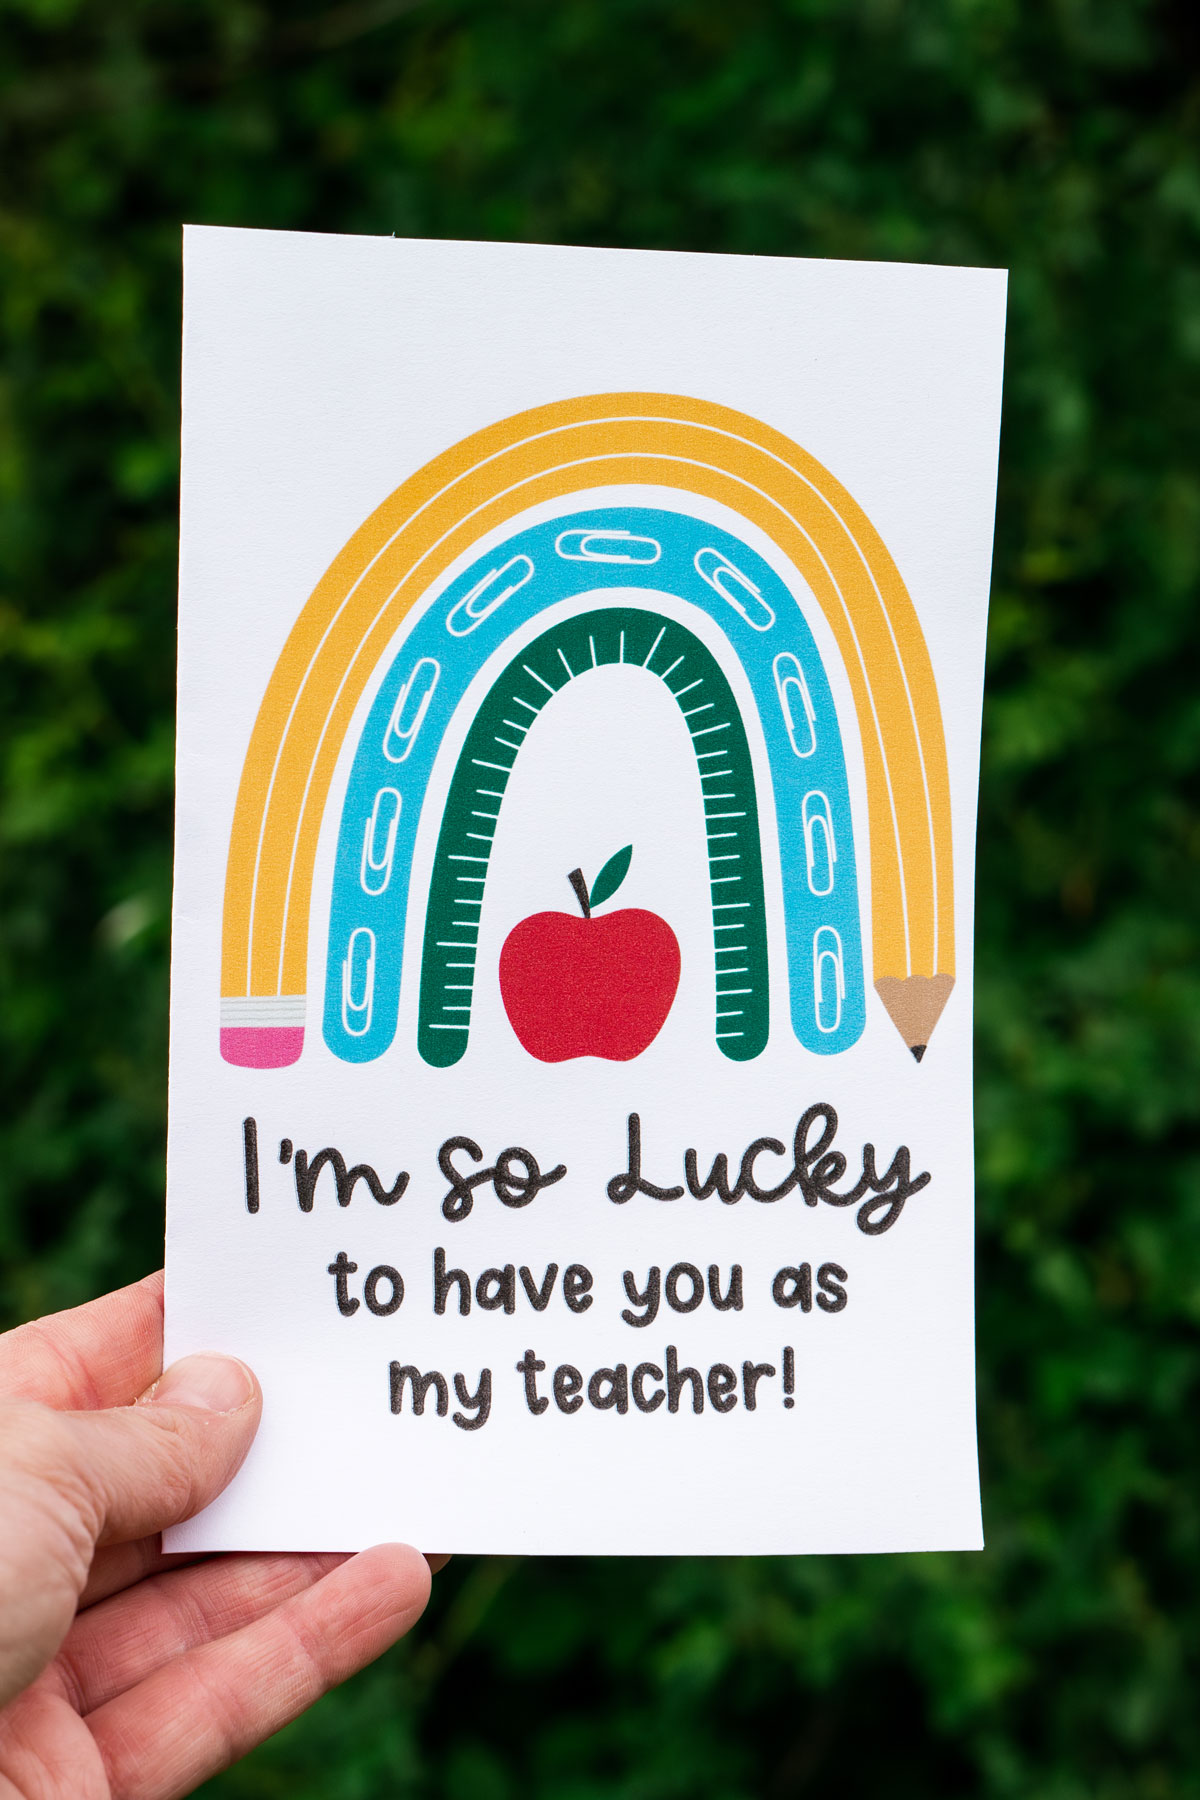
216,1383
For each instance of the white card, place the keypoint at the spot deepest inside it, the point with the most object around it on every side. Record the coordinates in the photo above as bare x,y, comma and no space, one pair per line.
581,660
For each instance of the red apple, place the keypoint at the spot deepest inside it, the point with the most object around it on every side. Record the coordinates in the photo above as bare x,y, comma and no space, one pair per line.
589,986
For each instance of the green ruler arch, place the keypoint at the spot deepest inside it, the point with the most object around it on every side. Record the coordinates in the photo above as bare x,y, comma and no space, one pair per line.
569,652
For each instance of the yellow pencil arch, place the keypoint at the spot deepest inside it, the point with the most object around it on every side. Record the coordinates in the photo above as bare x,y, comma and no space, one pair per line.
660,440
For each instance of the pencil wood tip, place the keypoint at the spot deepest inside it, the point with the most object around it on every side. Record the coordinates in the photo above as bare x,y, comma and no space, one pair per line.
914,1005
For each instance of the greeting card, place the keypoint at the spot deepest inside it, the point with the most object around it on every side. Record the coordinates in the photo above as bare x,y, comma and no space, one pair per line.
579,692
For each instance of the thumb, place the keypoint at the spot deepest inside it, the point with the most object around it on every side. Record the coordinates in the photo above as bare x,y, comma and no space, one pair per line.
148,1466
71,1480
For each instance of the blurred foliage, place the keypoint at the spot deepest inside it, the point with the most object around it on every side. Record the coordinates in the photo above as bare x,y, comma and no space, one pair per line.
1058,137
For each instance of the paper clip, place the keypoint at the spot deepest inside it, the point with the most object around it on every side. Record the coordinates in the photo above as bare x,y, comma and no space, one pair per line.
749,604
481,602
387,806
827,949
820,851
408,714
789,681
360,963
578,546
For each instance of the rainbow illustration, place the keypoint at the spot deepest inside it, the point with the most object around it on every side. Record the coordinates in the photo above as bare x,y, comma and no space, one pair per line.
349,627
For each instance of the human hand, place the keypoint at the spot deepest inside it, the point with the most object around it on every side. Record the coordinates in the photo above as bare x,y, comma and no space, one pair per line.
126,1674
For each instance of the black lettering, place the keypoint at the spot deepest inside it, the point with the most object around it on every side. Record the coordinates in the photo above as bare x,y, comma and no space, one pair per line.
675,1380
649,1299
577,1288
420,1385
568,1388
731,1301
285,1150
752,1374
793,1287
539,1297
531,1368
643,1401
722,1388
250,1158
689,1272
816,1169
515,1189
345,1179
442,1279
820,1167
833,1296
340,1269
382,1308
746,1179
718,1179
516,1177
497,1288
898,1176
610,1388
828,1169
459,1201
809,1159
623,1187
479,1402
306,1175
381,1195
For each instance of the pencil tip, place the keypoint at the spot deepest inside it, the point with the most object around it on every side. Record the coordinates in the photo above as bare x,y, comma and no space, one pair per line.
914,1004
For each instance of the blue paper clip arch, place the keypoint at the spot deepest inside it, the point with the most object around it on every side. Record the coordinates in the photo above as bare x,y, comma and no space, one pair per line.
542,566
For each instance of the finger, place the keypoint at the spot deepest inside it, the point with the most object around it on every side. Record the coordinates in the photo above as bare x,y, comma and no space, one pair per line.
119,1566
137,1469
102,1354
436,1561
113,1646
201,1712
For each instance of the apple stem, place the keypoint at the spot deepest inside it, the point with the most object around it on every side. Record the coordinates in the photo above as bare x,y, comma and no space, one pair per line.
581,891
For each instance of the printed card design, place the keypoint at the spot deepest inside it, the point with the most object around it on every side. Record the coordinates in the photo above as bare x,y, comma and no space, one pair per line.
580,678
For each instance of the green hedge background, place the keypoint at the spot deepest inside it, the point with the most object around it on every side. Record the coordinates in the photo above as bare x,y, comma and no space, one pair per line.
1057,137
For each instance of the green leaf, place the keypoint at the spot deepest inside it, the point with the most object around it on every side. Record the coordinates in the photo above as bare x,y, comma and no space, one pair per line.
611,876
